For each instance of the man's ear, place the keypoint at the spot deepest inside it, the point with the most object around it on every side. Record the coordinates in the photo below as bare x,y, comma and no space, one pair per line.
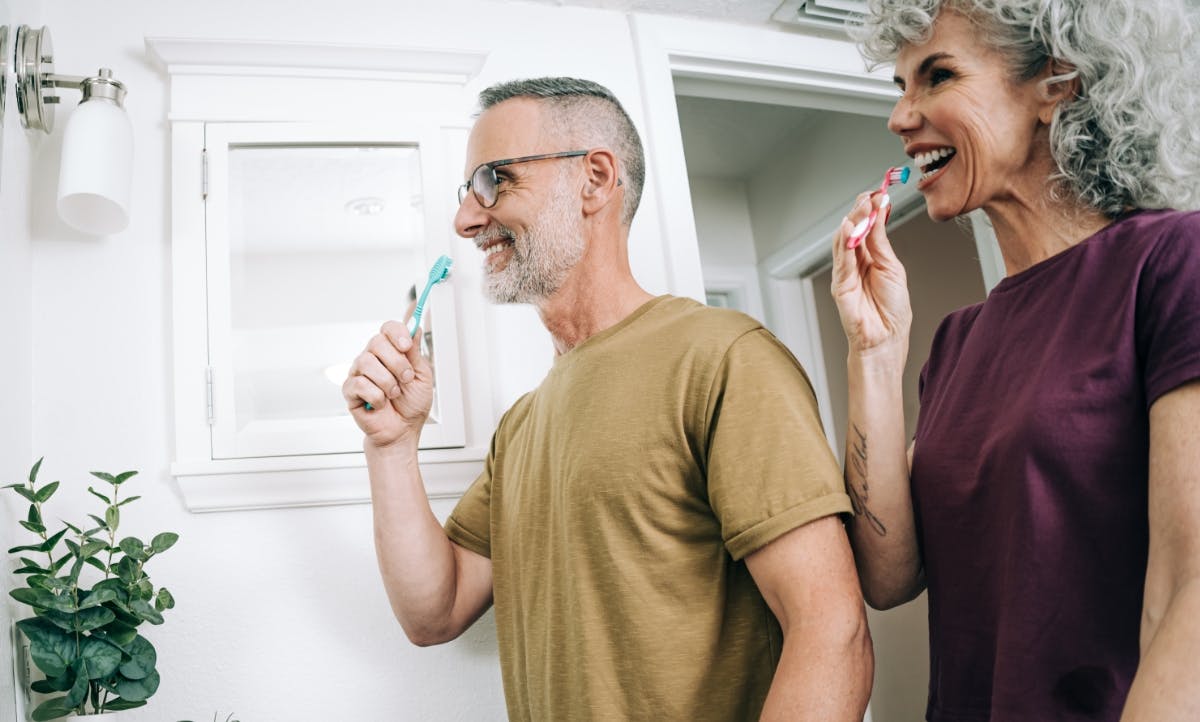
1058,83
602,180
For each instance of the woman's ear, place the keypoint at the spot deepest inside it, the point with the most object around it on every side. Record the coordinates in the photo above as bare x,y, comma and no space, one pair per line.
1058,83
602,180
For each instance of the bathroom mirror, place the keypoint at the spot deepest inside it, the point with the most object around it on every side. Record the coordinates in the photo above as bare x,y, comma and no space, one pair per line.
312,245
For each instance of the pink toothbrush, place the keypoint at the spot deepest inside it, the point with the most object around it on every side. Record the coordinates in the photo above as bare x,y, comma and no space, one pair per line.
860,231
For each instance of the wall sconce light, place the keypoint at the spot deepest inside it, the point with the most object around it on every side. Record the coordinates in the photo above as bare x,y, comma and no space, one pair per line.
97,152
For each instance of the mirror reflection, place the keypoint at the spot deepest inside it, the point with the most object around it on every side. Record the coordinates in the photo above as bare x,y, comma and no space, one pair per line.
326,242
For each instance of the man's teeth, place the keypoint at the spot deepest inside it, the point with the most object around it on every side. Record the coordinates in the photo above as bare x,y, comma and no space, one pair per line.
924,160
496,248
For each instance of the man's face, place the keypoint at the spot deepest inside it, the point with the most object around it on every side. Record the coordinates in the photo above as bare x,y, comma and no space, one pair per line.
532,236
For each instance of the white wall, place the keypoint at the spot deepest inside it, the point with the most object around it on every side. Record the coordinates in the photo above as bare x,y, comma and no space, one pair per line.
726,238
16,332
838,157
281,615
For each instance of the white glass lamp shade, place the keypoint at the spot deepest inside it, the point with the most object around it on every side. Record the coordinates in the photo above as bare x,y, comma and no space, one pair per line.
97,165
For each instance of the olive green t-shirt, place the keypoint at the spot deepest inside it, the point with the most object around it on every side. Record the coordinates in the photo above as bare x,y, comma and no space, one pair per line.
617,503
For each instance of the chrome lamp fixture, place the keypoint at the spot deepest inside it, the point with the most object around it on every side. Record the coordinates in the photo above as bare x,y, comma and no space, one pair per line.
97,152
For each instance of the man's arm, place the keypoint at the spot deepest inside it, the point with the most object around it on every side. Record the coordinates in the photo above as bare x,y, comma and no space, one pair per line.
437,588
808,579
1166,686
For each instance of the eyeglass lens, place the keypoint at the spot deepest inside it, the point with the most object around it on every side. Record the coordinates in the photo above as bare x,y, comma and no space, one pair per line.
483,182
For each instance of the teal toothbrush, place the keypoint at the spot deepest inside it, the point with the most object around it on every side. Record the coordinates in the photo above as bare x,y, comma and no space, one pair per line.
437,274
440,272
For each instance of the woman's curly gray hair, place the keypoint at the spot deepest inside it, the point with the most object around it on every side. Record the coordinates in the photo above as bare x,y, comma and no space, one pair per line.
1130,139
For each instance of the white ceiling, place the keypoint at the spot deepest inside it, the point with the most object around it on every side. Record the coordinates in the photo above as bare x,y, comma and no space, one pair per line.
731,139
753,12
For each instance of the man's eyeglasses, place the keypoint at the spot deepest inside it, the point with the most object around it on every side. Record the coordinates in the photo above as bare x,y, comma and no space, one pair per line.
485,185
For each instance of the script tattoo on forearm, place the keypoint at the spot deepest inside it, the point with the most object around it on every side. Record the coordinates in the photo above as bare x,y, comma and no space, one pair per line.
856,480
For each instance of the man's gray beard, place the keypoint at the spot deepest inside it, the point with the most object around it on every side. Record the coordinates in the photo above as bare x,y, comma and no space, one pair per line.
540,258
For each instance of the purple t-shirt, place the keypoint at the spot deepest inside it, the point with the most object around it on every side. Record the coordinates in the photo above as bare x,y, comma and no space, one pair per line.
1030,473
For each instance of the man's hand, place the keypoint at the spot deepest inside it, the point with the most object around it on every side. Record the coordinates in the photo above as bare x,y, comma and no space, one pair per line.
397,382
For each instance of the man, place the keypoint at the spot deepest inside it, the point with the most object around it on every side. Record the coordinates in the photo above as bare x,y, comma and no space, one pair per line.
656,522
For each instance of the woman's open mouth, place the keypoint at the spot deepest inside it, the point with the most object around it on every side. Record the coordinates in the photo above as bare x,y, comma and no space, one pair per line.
931,162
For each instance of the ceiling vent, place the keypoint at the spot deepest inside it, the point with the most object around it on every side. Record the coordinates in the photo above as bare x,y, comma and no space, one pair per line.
823,14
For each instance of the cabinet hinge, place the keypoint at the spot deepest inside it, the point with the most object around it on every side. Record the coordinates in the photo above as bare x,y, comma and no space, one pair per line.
208,385
204,174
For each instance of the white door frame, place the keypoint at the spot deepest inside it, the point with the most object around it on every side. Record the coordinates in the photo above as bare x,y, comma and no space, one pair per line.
755,65
705,59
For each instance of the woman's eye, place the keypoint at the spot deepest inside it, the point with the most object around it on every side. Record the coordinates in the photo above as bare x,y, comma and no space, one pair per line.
937,76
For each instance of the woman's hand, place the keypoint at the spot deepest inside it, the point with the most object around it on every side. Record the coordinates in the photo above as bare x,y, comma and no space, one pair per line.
397,382
870,286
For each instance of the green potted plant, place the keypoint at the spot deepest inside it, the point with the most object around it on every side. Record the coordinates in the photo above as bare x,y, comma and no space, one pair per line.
83,634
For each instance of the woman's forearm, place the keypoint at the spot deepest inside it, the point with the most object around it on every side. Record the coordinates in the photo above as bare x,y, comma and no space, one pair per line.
882,531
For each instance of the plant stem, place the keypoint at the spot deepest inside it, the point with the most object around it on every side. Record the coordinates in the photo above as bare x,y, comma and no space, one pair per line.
112,534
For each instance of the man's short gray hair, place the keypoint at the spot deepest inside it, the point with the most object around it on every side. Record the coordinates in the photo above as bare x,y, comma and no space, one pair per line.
586,113
1130,138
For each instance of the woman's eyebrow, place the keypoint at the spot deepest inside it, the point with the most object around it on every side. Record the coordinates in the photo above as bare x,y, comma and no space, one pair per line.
923,68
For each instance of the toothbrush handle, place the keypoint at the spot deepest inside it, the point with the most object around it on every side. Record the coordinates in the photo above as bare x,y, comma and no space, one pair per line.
415,322
862,229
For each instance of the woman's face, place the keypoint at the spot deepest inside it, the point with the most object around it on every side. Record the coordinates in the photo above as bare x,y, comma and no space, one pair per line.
977,137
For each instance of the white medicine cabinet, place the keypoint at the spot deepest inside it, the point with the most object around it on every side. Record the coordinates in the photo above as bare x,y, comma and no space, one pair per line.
296,231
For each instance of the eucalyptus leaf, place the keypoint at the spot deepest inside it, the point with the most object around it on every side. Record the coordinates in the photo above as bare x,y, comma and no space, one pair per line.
136,690
99,595
35,516
102,497
103,476
117,633
79,690
47,491
162,542
134,548
34,471
50,685
31,563
142,659
49,583
51,542
142,608
34,527
103,524
25,492
116,705
63,620
51,648
112,517
164,600
93,561
92,548
43,599
52,709
102,658
123,477
89,619
129,500
127,570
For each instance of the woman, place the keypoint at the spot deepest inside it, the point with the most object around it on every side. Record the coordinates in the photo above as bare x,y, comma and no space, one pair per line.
1050,499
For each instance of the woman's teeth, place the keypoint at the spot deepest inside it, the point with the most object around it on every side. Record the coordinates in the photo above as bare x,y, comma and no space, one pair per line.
932,161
